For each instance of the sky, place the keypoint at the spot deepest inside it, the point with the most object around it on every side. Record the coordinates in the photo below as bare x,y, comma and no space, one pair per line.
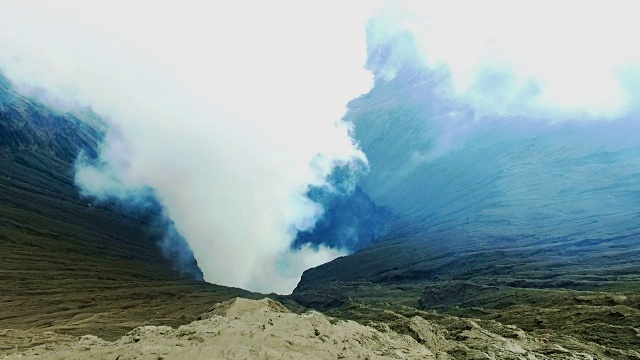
230,111
568,60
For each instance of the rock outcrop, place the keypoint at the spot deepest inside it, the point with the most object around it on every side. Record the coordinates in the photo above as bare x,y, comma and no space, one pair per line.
265,329
244,329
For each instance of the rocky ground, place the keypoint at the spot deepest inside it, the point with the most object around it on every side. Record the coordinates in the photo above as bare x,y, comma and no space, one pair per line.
265,329
489,322
590,307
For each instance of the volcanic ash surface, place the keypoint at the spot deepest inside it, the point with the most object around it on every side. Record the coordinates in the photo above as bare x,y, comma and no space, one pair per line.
244,329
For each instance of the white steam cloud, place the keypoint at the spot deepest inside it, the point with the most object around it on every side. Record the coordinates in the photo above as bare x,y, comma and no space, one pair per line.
552,59
227,110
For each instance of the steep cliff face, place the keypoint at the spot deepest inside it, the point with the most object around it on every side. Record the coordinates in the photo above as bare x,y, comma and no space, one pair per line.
27,126
510,219
39,147
441,166
64,257
474,195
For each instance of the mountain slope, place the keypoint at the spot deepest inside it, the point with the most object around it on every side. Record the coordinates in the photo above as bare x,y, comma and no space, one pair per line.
513,219
68,264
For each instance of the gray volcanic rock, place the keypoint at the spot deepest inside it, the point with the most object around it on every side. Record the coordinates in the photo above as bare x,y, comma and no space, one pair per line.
265,329
244,329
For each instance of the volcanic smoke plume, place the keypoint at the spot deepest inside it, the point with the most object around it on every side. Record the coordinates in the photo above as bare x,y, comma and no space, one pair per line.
226,113
494,118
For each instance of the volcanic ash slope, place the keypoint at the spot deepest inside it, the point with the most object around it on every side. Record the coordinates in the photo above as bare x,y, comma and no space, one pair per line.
244,329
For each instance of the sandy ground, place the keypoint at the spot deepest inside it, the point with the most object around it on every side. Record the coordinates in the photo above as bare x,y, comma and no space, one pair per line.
243,329
265,329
